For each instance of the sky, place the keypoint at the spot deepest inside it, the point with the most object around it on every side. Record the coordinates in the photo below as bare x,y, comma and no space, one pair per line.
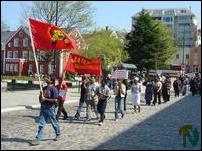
114,14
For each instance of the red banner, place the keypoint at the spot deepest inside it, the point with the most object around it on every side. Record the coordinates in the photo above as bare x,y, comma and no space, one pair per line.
48,37
82,65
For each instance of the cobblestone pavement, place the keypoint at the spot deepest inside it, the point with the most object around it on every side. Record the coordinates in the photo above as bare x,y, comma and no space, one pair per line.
155,127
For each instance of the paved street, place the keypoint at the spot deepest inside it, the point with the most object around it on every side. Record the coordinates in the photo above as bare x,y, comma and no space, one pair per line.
156,127
18,100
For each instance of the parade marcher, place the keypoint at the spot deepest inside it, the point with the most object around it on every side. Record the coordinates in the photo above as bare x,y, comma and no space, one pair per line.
135,94
125,82
83,96
90,101
103,94
157,91
166,89
176,87
193,86
148,91
185,86
62,90
119,91
48,100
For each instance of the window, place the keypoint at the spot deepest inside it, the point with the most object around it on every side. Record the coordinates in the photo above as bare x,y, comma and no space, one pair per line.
15,54
187,56
25,42
7,67
25,54
177,56
11,67
42,53
41,69
16,67
20,33
10,44
52,68
16,42
31,55
30,68
9,54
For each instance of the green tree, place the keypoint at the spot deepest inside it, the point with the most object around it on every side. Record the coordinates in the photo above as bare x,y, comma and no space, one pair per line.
109,48
150,44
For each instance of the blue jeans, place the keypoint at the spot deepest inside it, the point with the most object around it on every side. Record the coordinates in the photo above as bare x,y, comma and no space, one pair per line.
119,102
47,111
81,103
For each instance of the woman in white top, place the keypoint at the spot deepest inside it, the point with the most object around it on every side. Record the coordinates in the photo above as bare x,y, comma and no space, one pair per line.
135,94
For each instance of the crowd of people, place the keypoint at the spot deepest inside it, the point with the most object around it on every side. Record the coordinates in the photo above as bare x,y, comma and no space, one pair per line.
96,92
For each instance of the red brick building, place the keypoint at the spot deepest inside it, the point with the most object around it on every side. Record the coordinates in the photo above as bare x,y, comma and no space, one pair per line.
17,55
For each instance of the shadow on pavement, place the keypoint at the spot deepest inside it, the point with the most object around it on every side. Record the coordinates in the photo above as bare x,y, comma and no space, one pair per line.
15,139
161,130
29,107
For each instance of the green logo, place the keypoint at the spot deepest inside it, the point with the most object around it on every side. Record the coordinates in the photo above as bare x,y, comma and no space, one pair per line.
185,132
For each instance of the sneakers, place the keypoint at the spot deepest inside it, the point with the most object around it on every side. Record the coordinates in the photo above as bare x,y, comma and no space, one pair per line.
34,142
77,116
100,123
65,117
122,115
57,138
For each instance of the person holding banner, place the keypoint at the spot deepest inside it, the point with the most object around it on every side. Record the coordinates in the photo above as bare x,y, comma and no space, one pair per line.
48,100
62,90
119,91
103,94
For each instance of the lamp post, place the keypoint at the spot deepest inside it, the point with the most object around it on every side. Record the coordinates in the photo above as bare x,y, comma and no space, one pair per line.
54,51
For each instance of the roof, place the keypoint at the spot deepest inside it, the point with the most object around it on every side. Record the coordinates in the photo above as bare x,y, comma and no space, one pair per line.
5,35
127,66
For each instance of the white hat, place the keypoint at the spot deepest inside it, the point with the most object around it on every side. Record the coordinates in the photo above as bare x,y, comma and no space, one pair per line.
136,78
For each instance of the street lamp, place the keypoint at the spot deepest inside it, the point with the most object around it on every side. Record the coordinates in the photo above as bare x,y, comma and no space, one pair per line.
54,51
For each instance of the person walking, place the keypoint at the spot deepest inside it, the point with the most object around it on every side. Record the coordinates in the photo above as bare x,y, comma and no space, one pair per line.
119,91
157,91
125,82
48,100
148,91
166,89
135,94
103,95
62,91
193,86
83,96
90,102
176,87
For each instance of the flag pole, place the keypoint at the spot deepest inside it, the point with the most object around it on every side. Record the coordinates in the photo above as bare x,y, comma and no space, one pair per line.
35,59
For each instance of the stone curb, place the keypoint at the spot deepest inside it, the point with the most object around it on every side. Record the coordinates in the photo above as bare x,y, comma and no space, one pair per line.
29,107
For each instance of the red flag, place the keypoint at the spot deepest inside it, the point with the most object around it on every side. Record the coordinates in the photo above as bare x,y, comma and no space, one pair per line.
47,36
82,65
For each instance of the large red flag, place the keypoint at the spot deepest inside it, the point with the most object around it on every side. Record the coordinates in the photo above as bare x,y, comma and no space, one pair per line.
81,65
48,37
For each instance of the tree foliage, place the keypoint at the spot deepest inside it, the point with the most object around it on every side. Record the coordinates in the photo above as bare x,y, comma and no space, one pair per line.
150,44
70,13
109,48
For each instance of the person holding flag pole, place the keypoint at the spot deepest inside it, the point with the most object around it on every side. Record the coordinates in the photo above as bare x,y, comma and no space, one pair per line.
47,103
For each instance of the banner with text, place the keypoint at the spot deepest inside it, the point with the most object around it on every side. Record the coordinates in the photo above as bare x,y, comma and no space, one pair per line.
81,65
